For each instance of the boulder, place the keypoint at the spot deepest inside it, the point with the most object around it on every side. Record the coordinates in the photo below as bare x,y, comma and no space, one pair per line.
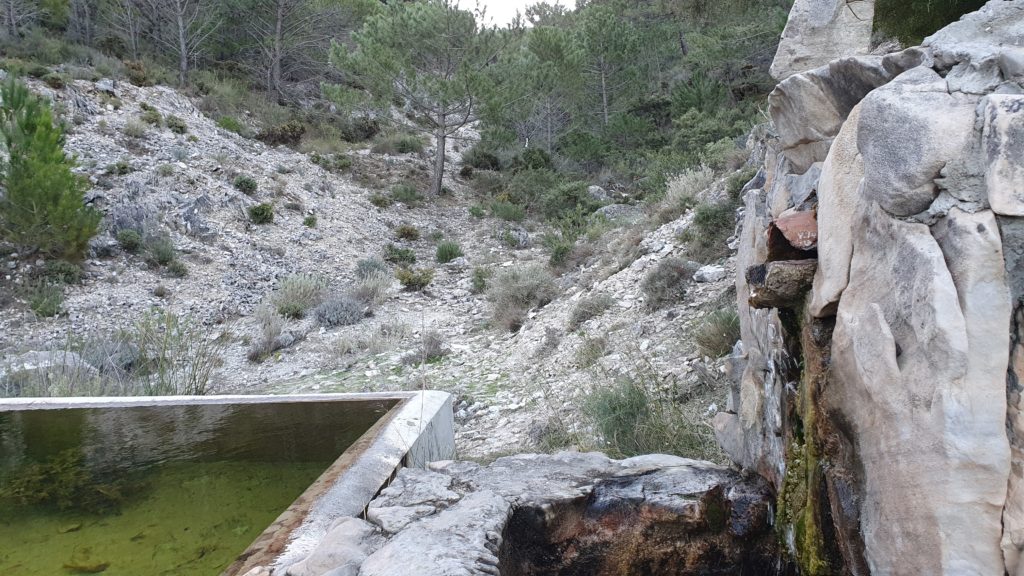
1003,143
908,131
819,31
710,273
341,552
800,227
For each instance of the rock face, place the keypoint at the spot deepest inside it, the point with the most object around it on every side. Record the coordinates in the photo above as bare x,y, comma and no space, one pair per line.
567,513
821,30
883,400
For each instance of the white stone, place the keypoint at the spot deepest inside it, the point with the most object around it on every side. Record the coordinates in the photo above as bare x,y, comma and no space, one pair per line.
819,31
1003,143
710,273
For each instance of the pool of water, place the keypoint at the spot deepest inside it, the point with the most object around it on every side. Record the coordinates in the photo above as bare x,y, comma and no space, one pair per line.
162,489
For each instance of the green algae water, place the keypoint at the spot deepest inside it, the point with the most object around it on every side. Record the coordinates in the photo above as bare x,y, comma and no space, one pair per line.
163,490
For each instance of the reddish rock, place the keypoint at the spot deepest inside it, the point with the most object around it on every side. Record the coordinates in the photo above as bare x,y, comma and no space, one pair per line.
800,228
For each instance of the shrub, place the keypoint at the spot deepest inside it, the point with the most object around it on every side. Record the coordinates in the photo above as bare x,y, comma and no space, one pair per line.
37,70
55,81
718,333
560,248
176,125
735,183
588,308
245,184
481,274
271,326
448,251
415,279
713,223
177,268
432,349
360,129
42,207
45,298
666,284
137,73
682,192
130,240
63,272
287,134
481,159
633,420
309,221
534,159
477,211
231,124
134,129
488,183
407,232
380,200
340,311
397,255
591,350
407,194
331,162
514,292
119,168
398,144
151,116
297,294
370,266
373,287
160,251
261,213
508,211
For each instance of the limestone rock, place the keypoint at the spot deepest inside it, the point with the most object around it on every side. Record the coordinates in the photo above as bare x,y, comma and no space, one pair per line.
909,130
710,273
1003,143
800,227
342,551
819,31
780,284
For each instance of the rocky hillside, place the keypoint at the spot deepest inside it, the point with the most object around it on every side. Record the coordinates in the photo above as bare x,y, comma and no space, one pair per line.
879,287
188,183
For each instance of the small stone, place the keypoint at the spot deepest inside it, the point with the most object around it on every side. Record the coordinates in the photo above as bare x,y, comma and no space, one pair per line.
710,273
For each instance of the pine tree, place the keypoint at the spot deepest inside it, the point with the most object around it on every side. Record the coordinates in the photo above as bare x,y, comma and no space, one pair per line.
42,207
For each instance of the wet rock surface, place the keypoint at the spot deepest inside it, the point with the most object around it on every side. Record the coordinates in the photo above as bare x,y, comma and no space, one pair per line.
563,514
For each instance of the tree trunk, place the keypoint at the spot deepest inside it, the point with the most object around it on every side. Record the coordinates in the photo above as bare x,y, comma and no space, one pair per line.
12,31
437,177
604,92
275,64
182,46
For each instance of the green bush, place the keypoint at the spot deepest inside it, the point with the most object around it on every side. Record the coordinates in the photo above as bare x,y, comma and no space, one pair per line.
360,129
297,294
397,255
45,298
407,232
508,211
130,240
177,268
331,162
287,134
245,184
487,183
398,144
407,194
534,159
340,311
261,213
713,223
735,183
119,168
55,81
666,284
134,129
912,20
480,159
176,125
309,221
448,251
481,274
63,272
231,124
477,211
368,267
160,251
718,333
633,420
514,292
415,279
380,200
43,205
137,73
151,116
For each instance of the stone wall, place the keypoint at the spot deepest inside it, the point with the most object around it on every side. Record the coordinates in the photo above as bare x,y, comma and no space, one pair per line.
881,296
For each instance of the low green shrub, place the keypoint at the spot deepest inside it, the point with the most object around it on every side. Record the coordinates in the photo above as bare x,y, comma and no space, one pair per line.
231,124
287,134
261,213
508,211
331,162
588,308
309,221
514,292
481,274
407,232
55,80
407,194
45,298
397,255
713,224
151,116
360,129
718,333
480,159
245,184
340,311
297,294
63,272
119,168
176,125
415,279
398,144
380,200
735,183
177,269
448,251
666,284
160,251
370,266
134,129
477,211
130,240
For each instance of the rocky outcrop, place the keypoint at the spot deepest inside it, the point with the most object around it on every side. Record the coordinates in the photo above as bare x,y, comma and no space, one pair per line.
819,31
568,513
882,400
